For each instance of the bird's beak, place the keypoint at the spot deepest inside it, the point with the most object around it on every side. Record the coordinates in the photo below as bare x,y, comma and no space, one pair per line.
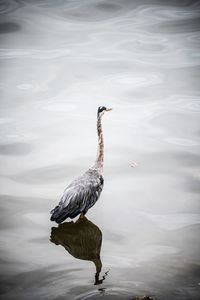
108,109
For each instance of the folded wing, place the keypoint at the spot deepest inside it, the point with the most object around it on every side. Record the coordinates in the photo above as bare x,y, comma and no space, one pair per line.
79,196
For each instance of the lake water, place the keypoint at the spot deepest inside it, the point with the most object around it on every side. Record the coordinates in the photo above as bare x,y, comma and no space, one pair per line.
59,61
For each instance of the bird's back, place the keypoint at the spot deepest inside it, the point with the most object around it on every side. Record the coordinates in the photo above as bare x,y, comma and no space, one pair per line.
79,196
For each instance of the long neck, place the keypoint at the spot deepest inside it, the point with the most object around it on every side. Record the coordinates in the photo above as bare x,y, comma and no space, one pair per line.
100,150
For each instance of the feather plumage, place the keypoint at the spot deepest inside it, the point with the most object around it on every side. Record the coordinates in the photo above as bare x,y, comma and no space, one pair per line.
79,196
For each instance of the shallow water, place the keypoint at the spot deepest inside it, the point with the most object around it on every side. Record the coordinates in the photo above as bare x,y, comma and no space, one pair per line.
59,61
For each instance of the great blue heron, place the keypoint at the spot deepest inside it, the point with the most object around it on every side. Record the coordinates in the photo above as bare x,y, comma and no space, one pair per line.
85,190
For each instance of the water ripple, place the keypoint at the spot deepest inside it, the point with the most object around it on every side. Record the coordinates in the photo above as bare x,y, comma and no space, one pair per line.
8,27
167,12
108,293
182,141
136,80
8,6
185,103
174,221
15,149
31,53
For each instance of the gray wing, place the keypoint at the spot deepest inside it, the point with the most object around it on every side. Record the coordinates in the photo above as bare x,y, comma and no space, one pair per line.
79,196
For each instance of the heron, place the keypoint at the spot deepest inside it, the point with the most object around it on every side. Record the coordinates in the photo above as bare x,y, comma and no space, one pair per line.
83,192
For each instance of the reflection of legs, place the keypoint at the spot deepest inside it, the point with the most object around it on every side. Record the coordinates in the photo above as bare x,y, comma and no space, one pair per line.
100,281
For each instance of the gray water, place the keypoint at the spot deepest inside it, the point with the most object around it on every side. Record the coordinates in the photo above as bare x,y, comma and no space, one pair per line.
59,61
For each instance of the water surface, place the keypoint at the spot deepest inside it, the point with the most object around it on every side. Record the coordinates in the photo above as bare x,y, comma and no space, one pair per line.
60,60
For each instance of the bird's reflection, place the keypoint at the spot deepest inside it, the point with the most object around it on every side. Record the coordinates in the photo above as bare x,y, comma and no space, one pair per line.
82,239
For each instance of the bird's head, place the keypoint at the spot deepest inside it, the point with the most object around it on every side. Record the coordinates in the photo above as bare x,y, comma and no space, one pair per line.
101,110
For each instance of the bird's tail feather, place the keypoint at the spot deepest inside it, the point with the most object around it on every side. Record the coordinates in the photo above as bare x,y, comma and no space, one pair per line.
60,218
53,210
58,215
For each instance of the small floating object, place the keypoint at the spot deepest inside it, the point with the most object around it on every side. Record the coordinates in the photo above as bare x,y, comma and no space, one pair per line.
134,164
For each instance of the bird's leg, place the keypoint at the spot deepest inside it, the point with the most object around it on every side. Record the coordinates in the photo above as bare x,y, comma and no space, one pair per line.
81,215
85,212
